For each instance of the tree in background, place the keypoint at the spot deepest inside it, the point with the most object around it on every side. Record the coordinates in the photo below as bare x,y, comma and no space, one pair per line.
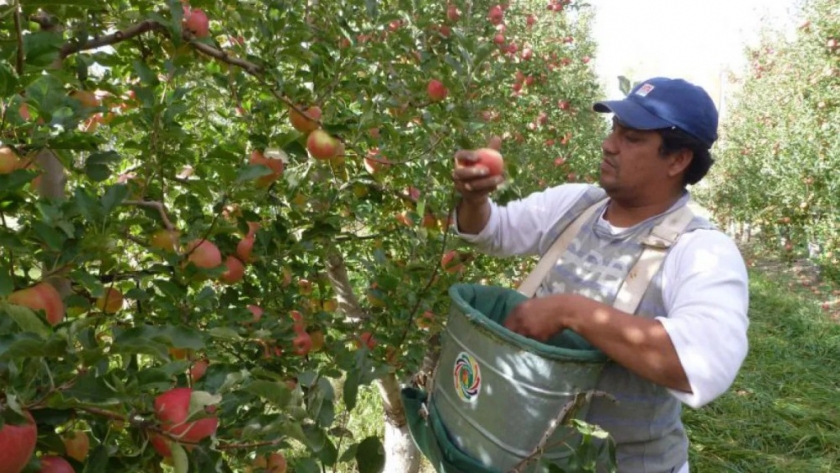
779,171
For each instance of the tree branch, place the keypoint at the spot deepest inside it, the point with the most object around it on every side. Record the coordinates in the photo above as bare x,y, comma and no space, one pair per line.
389,388
154,205
113,38
348,303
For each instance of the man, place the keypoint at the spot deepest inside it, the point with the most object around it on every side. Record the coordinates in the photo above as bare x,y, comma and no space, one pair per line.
686,341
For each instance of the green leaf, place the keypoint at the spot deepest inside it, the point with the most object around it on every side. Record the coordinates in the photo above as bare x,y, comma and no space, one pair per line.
180,460
8,79
91,388
87,205
54,239
370,455
157,340
29,345
97,460
276,393
41,48
224,333
114,196
26,319
351,390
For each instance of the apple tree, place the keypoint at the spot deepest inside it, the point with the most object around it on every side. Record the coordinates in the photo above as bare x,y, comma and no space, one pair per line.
220,219
779,171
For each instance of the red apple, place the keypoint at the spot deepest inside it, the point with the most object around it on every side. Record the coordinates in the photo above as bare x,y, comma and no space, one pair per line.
307,121
77,445
437,91
235,271
9,160
172,410
530,20
321,145
42,296
368,340
198,369
452,13
111,301
499,39
17,444
204,254
276,463
496,15
54,464
161,445
274,164
257,311
451,262
302,342
244,248
487,157
196,21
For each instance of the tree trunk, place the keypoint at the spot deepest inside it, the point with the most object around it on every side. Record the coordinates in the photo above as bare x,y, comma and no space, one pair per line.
401,455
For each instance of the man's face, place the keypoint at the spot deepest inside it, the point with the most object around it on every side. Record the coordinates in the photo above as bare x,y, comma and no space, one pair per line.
631,162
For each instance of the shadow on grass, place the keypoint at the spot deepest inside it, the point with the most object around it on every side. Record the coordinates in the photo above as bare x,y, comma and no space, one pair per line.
782,414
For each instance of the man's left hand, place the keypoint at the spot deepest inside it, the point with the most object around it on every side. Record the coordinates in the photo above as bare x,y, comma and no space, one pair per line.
542,317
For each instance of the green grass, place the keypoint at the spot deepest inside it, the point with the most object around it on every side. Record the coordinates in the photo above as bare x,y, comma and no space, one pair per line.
783,411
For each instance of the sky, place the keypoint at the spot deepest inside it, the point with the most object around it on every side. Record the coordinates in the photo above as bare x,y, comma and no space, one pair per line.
696,40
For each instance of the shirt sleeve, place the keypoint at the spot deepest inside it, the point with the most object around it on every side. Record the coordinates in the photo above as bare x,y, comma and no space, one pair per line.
518,227
706,294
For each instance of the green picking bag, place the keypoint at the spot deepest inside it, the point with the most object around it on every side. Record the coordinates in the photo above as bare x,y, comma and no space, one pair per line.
495,392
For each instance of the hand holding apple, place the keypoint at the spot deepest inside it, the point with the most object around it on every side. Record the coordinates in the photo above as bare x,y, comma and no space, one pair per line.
477,172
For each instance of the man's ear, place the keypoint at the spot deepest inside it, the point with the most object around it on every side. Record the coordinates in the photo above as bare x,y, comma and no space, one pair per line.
679,161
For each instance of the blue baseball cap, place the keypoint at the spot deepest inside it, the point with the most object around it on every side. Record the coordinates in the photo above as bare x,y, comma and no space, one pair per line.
660,103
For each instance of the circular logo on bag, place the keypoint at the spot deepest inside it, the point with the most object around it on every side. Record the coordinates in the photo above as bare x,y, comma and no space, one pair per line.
467,376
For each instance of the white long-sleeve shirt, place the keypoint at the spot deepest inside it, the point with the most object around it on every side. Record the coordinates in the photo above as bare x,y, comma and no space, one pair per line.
705,287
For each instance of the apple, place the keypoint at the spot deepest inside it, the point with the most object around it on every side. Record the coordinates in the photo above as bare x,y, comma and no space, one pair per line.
165,240
499,39
52,464
9,160
77,445
436,90
405,218
196,22
307,121
425,321
42,296
495,142
88,99
235,271
110,302
367,339
198,369
317,337
161,445
257,311
204,254
530,20
302,342
496,15
451,262
321,145
179,353
452,13
172,410
276,165
17,444
276,463
487,157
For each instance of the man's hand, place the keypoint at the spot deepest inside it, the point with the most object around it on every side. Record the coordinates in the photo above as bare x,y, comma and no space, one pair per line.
472,181
539,318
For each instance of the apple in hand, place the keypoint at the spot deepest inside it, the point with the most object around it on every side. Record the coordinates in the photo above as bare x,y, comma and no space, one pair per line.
487,157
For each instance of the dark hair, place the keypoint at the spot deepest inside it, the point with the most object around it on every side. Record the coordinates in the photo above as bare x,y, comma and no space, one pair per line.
673,140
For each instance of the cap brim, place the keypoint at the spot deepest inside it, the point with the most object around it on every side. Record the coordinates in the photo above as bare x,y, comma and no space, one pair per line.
632,115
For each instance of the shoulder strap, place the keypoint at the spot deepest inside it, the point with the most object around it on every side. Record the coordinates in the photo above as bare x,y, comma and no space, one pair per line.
549,259
656,246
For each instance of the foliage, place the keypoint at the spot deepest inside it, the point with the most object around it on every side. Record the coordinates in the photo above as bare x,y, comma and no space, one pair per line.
128,127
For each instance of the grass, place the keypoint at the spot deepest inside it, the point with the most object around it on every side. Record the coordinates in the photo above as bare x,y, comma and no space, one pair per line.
783,411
